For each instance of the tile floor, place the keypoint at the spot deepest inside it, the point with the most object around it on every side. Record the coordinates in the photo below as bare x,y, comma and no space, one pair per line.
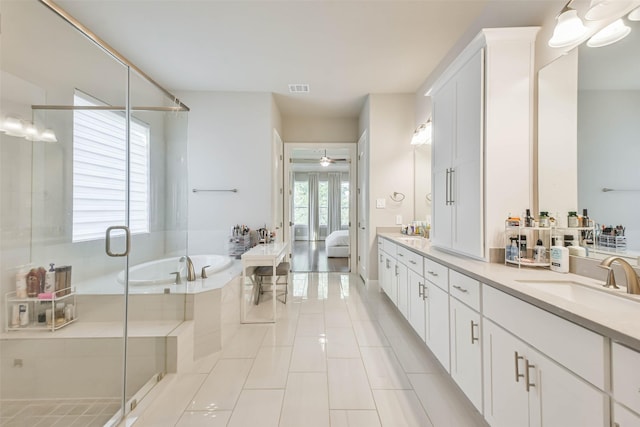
58,412
339,355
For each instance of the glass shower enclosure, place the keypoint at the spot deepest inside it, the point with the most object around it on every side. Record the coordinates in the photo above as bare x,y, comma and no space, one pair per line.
93,202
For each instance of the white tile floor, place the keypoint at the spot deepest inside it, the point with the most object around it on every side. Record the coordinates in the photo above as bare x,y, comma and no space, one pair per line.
339,355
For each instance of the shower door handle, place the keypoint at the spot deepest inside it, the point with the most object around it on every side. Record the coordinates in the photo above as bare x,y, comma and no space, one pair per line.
127,234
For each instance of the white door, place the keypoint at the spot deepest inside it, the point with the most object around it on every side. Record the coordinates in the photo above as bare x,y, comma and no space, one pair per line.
466,351
278,187
466,175
363,206
506,402
416,303
403,289
437,323
441,161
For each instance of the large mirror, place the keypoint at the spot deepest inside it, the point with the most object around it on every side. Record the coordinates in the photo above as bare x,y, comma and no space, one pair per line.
589,136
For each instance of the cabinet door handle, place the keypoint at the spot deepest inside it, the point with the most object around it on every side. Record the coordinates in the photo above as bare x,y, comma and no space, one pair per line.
451,201
518,374
388,265
380,258
412,262
397,270
420,289
402,255
527,380
432,273
425,292
446,188
473,337
461,289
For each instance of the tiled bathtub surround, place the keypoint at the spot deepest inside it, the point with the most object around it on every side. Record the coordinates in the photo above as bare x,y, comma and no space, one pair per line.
338,355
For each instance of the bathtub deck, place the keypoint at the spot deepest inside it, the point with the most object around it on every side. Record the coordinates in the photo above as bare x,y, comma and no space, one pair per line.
80,329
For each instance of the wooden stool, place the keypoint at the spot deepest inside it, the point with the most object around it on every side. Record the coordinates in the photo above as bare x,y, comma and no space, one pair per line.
282,271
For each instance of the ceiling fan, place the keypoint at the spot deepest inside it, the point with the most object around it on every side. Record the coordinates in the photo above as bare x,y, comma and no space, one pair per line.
324,161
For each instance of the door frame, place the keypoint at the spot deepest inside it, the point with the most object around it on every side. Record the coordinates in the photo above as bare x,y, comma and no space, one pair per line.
288,199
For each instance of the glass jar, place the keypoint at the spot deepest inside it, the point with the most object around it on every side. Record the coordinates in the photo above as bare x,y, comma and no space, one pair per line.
544,219
573,220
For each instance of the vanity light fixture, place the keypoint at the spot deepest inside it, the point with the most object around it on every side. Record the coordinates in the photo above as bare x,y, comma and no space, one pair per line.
422,135
604,9
634,15
13,126
612,33
569,28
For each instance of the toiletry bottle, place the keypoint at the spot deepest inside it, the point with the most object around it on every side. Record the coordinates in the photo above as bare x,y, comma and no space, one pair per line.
33,283
572,219
544,219
586,222
523,246
528,219
539,252
514,250
50,280
15,315
21,285
23,312
42,276
560,259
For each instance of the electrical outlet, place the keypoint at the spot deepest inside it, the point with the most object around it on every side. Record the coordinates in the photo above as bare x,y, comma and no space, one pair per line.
398,219
380,203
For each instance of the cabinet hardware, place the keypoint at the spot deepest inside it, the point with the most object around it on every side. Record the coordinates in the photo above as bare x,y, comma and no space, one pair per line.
461,289
446,188
451,201
388,265
425,292
518,374
397,270
380,258
432,273
420,290
402,255
412,262
527,381
473,337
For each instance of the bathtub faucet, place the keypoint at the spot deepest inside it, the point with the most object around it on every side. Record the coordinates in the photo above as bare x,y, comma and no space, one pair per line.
191,272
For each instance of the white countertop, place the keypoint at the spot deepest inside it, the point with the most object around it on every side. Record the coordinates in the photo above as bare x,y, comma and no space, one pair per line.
620,325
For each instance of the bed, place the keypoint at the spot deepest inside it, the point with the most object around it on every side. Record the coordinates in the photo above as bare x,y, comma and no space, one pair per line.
337,244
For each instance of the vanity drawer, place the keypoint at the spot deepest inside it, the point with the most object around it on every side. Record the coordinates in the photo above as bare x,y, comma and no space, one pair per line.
625,376
437,274
389,247
465,289
410,259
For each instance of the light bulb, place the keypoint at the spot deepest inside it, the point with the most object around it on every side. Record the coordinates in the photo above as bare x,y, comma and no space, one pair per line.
610,34
569,29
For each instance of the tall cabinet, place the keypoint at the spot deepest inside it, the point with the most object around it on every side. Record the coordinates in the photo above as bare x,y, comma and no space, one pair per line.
482,140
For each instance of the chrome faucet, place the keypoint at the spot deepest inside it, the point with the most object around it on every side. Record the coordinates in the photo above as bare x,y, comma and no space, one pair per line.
633,287
191,272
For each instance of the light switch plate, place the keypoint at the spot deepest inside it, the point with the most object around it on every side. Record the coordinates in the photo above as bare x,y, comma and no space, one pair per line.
398,219
380,203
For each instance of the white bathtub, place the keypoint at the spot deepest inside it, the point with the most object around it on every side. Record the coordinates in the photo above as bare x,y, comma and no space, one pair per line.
159,272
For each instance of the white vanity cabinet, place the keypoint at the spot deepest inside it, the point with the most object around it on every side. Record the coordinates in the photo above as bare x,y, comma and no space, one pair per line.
466,332
523,385
436,297
625,385
482,114
417,304
388,276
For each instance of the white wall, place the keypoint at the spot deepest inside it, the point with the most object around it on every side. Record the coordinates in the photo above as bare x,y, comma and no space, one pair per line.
609,156
390,128
319,129
230,140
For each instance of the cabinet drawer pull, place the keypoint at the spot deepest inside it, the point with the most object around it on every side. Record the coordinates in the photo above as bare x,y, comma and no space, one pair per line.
402,255
518,374
388,265
527,380
397,270
380,258
420,289
473,337
461,289
425,292
412,262
434,274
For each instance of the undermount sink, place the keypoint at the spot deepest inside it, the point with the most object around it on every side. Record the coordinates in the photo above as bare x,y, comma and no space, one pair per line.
600,298
410,239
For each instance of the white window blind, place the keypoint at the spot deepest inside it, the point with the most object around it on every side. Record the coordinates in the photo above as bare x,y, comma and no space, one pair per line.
99,172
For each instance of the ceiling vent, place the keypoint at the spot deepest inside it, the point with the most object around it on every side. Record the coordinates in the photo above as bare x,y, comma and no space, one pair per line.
299,88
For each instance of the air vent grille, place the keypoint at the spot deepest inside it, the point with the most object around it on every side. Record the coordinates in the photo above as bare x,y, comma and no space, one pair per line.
299,88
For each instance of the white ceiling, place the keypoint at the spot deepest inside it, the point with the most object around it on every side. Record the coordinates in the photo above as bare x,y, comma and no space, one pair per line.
342,49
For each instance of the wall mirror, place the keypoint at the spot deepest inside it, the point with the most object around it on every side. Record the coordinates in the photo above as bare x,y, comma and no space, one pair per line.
589,136
422,182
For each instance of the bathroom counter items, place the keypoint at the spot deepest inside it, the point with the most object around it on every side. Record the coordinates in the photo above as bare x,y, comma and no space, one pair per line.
269,255
613,316
47,311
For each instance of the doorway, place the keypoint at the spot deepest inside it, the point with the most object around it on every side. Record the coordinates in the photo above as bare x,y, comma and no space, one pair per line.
320,206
